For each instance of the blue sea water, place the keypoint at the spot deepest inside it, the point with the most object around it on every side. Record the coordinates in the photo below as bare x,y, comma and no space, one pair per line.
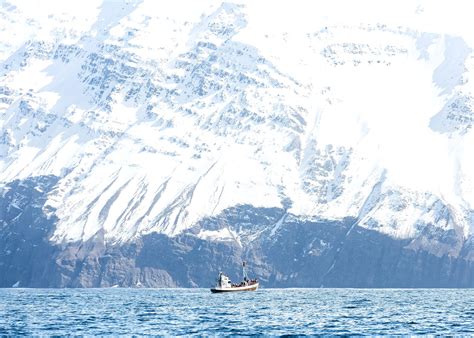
266,311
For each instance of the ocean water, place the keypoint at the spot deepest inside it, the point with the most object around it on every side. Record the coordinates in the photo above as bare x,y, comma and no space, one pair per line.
266,311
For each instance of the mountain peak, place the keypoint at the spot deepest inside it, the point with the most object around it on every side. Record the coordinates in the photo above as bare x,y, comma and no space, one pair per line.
156,118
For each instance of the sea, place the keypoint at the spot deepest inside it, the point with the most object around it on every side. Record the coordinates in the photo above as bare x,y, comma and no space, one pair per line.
184,312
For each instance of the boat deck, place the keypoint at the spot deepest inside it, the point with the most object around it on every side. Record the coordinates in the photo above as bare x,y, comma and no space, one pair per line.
251,287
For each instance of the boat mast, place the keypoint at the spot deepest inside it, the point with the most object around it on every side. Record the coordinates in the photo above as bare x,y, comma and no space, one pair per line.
244,271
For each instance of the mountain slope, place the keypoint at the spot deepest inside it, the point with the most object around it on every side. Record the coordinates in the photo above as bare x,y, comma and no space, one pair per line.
187,120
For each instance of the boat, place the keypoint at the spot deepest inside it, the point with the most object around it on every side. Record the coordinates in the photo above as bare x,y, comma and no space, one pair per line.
224,283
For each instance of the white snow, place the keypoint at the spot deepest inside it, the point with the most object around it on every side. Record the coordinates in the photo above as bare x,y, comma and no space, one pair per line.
338,114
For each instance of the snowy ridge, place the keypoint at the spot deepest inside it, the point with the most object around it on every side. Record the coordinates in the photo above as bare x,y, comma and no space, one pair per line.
157,117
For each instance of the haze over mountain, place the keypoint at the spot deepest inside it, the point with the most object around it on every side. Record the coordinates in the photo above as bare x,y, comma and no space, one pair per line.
329,144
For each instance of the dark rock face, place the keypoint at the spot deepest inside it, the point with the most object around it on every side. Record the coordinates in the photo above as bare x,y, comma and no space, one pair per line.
24,228
299,253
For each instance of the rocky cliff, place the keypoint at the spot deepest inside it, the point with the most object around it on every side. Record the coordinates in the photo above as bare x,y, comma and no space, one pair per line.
144,144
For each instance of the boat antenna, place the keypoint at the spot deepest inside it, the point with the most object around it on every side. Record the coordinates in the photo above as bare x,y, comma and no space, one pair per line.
244,271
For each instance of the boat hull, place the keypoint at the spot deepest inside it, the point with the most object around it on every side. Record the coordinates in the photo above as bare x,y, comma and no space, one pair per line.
252,287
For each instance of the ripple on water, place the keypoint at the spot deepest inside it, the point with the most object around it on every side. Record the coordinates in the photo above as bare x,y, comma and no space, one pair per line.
198,312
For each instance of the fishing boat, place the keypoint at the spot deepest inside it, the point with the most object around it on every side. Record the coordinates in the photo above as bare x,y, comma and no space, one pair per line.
224,283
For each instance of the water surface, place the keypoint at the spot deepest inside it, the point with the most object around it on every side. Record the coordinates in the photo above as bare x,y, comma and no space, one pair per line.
267,311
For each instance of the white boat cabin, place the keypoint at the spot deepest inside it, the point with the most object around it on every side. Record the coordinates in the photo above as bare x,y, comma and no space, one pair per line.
223,281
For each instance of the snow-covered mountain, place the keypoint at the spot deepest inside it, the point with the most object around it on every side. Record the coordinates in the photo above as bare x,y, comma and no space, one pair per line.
229,122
